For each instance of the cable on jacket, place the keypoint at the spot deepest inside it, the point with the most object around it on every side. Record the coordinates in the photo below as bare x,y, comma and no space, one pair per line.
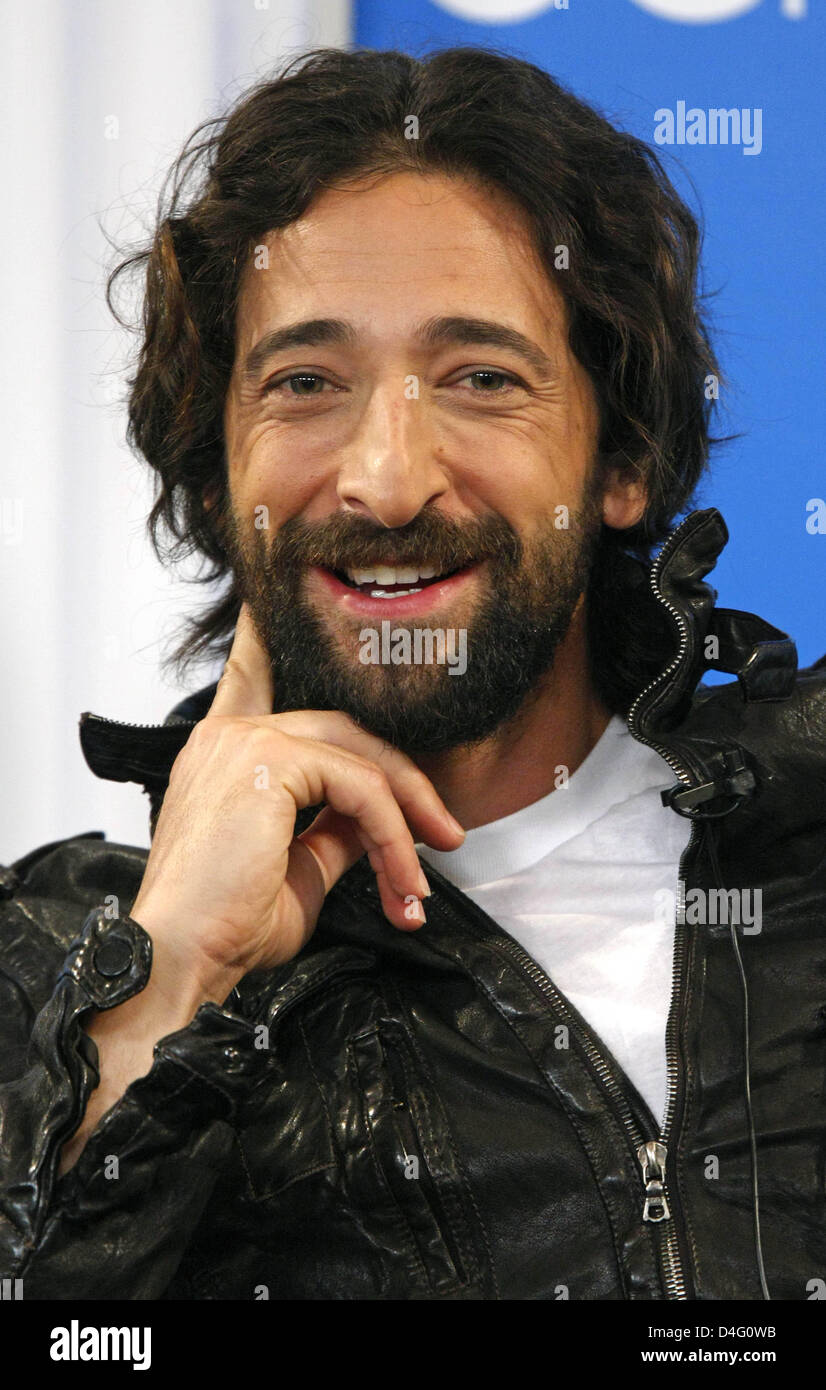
758,1243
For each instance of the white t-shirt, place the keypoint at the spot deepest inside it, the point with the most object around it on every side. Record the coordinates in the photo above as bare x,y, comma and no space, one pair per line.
574,878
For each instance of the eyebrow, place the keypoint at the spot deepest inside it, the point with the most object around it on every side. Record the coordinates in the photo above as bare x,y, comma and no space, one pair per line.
434,332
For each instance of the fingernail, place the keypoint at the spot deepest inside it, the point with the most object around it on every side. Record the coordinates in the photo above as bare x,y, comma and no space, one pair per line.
454,824
425,890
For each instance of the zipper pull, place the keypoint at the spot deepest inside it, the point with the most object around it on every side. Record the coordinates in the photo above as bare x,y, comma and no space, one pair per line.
652,1158
735,779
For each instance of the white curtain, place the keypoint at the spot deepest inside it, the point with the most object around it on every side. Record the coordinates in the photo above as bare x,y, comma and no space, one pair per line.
98,97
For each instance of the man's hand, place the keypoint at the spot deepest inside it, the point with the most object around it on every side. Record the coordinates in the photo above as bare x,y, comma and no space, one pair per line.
227,884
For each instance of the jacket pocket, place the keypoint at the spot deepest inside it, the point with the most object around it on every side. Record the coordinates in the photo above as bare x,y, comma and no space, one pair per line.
419,1187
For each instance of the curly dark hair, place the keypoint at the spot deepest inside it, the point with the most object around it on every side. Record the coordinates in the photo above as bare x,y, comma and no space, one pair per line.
333,115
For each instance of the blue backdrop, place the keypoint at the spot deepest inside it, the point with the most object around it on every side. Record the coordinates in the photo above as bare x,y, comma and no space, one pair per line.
647,66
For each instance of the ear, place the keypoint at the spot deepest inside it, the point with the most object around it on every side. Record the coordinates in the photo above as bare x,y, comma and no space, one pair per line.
624,498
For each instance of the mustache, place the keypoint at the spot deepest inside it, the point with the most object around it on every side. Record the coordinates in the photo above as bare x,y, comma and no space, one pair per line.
345,541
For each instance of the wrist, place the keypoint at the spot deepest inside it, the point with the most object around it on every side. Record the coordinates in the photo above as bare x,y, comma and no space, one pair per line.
183,975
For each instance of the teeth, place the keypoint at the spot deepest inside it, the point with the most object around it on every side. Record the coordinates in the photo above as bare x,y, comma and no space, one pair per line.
391,574
397,593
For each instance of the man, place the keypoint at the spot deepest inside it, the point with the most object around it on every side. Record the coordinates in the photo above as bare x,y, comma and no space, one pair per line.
422,360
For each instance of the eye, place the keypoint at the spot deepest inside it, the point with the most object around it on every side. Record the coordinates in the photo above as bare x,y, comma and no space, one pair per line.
491,374
304,378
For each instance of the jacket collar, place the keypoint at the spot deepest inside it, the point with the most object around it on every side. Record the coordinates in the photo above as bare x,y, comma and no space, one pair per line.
763,659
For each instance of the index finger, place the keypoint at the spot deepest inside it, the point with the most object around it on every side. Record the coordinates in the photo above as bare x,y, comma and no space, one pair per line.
246,684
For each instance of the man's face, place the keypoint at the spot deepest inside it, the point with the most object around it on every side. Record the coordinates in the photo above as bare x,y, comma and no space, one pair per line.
411,465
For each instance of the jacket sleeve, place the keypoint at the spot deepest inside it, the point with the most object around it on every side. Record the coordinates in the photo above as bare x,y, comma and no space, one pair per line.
117,1224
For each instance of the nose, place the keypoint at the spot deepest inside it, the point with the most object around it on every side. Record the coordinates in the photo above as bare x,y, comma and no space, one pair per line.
391,470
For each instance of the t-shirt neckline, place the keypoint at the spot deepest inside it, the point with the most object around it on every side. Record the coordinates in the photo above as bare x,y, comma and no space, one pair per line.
616,768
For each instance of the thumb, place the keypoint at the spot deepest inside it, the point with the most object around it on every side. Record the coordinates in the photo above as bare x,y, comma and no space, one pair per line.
246,684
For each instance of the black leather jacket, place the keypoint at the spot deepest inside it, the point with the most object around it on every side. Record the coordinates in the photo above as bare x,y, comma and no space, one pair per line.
413,1120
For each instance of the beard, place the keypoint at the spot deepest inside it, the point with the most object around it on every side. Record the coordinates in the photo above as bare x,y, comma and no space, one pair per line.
513,633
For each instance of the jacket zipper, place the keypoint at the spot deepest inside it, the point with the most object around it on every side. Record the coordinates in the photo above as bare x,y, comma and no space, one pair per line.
651,1153
125,724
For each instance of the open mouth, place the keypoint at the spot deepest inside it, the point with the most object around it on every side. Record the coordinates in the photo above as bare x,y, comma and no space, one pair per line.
392,581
